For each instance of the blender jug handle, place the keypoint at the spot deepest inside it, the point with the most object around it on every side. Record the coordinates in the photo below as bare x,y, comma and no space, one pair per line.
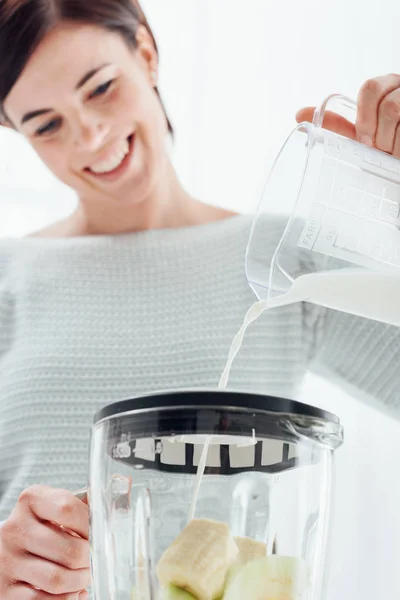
336,103
81,494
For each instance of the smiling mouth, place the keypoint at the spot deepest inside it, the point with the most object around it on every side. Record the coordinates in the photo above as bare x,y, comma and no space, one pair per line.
113,167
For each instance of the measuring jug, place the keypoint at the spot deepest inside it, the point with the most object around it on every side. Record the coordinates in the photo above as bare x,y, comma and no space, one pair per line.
327,228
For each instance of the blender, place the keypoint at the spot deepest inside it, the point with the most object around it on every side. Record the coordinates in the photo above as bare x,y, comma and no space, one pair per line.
206,495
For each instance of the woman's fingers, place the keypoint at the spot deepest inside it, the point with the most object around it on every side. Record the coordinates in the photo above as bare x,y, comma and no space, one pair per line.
44,550
388,121
332,121
396,145
20,591
57,506
378,115
51,543
372,95
47,576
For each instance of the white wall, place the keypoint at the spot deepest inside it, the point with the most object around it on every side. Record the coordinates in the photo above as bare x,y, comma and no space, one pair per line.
255,63
366,526
234,74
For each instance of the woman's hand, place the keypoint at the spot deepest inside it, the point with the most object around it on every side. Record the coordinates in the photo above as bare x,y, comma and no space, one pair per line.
44,547
378,116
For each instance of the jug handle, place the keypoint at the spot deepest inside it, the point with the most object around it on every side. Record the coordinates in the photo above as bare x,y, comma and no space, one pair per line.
81,494
336,103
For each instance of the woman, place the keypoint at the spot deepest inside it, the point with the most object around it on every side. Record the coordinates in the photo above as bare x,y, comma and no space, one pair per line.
142,288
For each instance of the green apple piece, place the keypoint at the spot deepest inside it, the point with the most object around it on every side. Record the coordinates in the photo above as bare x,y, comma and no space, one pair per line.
271,578
135,595
232,573
249,549
173,593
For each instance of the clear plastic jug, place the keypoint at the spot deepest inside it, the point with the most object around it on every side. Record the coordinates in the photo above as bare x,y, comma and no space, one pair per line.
327,228
261,510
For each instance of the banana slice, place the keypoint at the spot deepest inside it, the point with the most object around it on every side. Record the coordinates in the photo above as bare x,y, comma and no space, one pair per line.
271,578
199,559
249,550
173,593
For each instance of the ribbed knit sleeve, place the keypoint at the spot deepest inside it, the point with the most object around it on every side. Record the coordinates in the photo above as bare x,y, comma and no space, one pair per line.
6,306
361,356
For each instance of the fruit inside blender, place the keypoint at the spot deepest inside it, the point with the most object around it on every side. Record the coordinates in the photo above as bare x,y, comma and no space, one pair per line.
206,562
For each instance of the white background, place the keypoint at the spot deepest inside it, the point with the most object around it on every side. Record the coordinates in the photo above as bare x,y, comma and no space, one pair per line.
233,74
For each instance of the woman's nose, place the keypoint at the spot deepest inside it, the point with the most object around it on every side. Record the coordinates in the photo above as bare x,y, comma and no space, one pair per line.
90,133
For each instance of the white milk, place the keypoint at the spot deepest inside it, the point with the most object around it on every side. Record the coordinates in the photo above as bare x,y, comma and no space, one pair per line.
296,294
375,296
367,294
199,476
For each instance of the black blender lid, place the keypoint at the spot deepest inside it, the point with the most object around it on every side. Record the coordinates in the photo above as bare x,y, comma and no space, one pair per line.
225,399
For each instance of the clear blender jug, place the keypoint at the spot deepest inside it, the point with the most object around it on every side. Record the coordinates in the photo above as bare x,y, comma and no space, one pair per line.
327,228
261,509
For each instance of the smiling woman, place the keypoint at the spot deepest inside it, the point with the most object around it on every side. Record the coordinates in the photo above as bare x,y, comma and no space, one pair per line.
124,18
101,317
101,126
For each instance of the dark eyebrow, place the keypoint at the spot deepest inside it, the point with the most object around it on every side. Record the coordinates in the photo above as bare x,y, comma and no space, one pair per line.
89,75
34,114
81,83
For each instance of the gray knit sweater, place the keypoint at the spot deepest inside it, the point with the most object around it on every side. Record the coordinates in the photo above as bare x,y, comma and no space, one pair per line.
88,321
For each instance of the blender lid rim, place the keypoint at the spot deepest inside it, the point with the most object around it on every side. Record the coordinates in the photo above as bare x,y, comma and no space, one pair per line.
204,398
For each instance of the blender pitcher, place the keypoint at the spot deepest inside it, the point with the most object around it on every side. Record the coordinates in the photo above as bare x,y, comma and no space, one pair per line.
206,495
330,208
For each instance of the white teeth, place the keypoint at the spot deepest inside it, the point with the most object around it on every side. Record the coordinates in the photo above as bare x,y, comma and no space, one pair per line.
113,162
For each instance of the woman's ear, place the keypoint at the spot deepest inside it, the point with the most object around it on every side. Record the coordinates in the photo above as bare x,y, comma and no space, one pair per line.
148,53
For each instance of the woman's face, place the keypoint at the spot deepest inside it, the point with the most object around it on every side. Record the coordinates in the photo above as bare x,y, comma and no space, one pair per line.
86,103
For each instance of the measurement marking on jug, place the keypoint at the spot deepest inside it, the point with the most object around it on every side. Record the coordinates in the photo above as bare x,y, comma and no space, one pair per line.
313,225
346,202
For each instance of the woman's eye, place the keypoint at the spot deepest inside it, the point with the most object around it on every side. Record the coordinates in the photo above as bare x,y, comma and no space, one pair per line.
50,127
102,89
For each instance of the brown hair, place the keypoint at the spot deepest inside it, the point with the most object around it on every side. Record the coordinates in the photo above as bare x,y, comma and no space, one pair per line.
25,23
